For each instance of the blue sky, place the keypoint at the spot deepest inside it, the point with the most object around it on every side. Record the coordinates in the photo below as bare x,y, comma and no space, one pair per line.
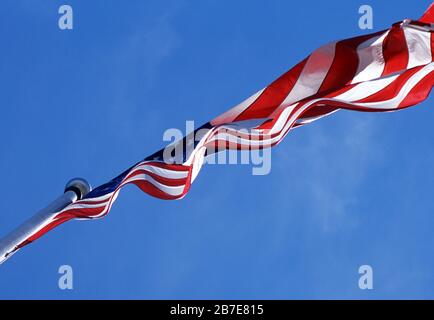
348,190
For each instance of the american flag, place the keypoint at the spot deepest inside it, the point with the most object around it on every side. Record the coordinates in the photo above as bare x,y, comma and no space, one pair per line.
385,71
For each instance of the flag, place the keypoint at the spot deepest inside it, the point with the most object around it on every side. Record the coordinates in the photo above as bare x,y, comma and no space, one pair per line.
381,72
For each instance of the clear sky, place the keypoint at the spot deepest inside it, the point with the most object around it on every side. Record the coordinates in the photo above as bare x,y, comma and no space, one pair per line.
348,190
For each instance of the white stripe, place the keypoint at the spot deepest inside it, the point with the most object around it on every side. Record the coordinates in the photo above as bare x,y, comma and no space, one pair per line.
365,89
313,74
282,119
96,199
419,47
202,141
79,205
171,190
197,163
371,60
167,173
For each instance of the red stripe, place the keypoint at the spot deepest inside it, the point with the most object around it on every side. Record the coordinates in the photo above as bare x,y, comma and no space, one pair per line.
273,95
428,16
419,92
345,63
395,51
152,190
317,111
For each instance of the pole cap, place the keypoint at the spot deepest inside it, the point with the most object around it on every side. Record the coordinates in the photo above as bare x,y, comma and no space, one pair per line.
80,186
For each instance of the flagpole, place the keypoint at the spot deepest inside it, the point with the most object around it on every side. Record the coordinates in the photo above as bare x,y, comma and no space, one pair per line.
75,189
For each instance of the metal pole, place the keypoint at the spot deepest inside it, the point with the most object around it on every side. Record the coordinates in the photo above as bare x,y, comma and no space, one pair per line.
75,189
